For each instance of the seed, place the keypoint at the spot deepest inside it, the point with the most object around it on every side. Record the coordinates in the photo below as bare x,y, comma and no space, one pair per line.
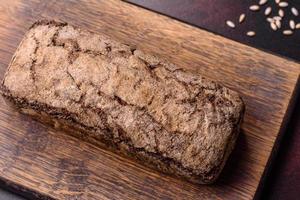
295,11
254,8
283,4
278,23
242,18
287,32
268,10
281,13
262,2
292,24
277,1
230,24
250,33
277,18
270,19
273,26
298,26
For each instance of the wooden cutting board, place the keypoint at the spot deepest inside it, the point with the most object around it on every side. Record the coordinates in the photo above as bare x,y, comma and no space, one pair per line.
37,160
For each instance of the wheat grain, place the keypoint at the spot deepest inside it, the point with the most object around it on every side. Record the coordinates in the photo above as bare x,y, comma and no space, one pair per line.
242,18
275,21
262,2
287,32
270,19
281,13
230,24
292,24
283,4
273,26
268,11
254,8
251,33
294,11
278,23
277,18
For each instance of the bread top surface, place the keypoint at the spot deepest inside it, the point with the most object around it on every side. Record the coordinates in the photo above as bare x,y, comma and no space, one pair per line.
160,107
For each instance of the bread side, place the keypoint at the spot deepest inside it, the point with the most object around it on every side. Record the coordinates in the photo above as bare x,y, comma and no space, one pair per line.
136,104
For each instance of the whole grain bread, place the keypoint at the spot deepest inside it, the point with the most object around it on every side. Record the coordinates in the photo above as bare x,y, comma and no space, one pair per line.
136,104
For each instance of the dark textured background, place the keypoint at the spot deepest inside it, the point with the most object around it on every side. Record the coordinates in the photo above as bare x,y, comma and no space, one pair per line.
212,14
6,195
283,181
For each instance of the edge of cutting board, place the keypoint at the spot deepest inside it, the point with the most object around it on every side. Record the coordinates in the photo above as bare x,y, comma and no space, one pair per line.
276,148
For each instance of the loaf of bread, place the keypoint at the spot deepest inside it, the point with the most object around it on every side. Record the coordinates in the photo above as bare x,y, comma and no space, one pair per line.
130,102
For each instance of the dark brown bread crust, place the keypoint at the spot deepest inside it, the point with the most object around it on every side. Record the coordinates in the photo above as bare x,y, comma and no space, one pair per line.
136,104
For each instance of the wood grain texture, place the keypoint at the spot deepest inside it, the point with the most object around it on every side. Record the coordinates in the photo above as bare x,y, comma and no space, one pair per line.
59,166
212,14
283,181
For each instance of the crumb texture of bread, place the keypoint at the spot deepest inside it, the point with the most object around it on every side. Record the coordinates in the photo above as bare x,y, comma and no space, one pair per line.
140,103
